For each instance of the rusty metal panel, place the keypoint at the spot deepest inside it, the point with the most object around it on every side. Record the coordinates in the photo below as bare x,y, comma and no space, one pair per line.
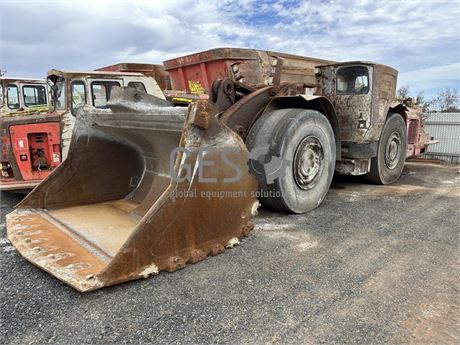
385,79
195,73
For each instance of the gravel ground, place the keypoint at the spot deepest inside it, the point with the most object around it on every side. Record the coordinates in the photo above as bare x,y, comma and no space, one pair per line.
372,265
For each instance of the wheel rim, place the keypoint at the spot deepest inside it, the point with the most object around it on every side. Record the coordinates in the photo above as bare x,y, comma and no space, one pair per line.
308,162
393,150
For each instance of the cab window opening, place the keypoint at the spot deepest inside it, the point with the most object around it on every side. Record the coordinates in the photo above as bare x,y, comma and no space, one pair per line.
353,80
12,96
100,92
78,95
58,92
137,85
34,95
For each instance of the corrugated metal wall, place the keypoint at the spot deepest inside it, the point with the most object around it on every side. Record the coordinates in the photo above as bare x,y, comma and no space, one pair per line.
444,127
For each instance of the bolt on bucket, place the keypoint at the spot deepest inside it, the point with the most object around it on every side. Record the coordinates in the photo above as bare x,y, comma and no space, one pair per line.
146,187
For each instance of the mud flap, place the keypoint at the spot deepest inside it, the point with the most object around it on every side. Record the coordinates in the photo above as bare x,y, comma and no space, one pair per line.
112,211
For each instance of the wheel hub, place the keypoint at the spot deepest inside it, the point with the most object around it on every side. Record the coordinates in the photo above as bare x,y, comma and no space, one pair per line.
308,162
393,150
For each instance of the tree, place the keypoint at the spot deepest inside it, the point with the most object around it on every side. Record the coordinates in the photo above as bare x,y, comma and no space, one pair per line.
446,102
421,102
403,92
420,98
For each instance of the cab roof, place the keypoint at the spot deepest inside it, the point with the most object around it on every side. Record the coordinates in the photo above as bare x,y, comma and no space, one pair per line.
361,62
100,74
27,80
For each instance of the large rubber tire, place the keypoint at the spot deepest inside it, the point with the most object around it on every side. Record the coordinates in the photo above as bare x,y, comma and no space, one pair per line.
304,139
387,167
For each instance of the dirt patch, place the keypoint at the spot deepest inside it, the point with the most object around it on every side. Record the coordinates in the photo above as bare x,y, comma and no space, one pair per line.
446,183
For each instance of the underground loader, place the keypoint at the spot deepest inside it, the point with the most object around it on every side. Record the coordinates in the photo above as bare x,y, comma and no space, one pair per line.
118,214
149,187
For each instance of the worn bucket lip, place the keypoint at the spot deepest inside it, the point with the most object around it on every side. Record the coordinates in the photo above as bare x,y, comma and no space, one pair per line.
83,284
59,272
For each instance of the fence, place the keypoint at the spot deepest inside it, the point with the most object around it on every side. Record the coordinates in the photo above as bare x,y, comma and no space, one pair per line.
444,127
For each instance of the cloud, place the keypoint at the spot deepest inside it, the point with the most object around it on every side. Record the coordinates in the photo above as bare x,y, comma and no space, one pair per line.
435,78
411,36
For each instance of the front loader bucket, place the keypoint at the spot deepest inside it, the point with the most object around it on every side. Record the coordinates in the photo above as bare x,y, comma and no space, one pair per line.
112,211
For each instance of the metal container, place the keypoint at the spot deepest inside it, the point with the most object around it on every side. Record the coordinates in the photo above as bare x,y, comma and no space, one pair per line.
195,73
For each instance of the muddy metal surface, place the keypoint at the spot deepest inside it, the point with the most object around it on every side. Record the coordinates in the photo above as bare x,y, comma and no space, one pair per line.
372,265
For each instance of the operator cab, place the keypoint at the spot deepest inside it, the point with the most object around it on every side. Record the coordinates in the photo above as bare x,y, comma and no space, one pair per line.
361,93
23,95
70,90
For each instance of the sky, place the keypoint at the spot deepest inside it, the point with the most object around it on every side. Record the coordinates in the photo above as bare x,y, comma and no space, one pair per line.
420,38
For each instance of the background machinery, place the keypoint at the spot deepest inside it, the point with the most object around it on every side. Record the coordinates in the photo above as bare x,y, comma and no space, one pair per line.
35,140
